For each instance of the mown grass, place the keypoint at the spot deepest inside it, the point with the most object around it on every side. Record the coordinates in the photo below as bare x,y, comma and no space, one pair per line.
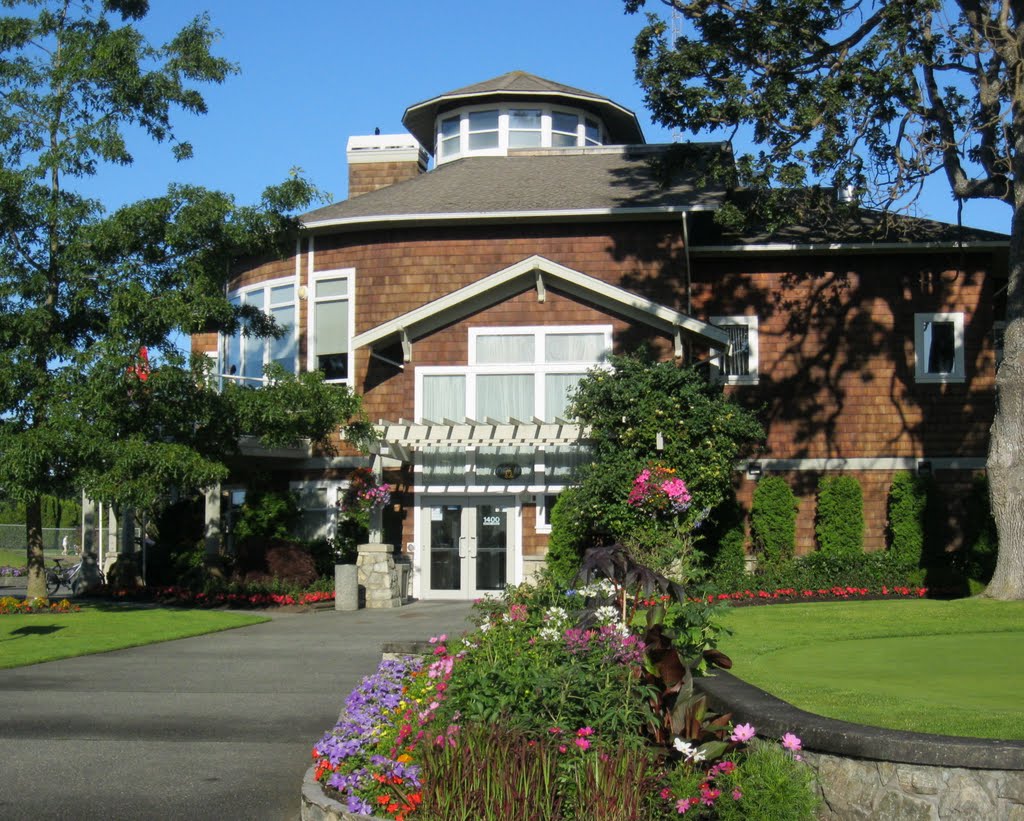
34,638
950,667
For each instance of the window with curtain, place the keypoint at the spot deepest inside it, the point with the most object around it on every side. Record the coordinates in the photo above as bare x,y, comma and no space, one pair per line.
514,373
329,338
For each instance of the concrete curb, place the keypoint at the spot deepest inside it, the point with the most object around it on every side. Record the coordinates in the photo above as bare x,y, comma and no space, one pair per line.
774,717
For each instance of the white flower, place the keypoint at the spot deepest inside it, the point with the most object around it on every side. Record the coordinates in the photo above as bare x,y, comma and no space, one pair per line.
549,634
556,615
690,753
606,615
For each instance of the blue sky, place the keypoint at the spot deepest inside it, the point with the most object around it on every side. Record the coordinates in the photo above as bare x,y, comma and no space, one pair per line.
314,72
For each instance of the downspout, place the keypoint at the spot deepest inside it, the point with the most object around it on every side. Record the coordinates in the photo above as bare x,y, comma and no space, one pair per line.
687,281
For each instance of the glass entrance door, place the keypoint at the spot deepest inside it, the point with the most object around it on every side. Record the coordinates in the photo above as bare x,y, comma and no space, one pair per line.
468,546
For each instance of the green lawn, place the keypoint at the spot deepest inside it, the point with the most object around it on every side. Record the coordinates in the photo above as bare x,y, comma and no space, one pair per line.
953,667
30,639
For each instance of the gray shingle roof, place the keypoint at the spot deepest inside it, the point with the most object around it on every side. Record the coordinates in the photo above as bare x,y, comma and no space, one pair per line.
620,122
537,182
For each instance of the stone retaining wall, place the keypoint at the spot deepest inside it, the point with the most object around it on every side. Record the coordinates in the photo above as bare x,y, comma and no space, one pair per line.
869,772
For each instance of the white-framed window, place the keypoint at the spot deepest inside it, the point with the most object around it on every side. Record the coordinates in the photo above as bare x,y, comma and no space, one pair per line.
331,318
513,373
545,501
939,347
493,131
737,365
318,503
243,358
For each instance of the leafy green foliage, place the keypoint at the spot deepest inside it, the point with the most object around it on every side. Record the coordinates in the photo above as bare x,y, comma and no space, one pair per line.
908,500
840,516
702,432
82,292
981,541
821,570
724,540
773,786
773,522
267,514
566,543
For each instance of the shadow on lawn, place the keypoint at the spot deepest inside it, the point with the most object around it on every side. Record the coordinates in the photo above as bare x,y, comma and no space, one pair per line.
34,630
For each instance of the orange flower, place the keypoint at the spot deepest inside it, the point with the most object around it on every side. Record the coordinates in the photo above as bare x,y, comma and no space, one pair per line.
383,799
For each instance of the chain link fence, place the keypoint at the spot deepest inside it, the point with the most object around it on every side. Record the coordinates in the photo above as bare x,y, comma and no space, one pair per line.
12,537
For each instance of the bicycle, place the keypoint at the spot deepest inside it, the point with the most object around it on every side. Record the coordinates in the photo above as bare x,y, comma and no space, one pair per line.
69,577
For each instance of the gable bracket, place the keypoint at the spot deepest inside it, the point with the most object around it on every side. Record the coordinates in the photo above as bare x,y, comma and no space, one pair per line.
406,346
541,293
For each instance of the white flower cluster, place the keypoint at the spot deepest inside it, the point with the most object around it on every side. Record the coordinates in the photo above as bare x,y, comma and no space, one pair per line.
606,615
690,753
602,587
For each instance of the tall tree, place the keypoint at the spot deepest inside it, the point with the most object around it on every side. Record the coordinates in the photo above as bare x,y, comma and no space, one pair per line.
94,394
880,95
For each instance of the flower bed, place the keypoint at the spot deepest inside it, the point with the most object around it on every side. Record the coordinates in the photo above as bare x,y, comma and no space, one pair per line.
561,705
184,597
11,606
836,593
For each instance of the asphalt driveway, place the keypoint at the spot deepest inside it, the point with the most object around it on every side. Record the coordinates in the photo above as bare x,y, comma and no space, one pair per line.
213,727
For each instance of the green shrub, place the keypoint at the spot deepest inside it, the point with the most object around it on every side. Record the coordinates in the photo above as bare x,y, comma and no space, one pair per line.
723,544
268,514
981,541
773,522
822,570
840,516
565,544
772,786
908,500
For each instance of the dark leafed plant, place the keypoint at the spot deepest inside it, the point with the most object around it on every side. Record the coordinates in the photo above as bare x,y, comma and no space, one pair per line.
679,634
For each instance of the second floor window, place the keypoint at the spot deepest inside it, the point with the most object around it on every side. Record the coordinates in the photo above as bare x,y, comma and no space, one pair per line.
330,307
243,358
514,373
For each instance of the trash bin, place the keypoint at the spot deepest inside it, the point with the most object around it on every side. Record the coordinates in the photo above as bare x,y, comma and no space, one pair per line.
346,587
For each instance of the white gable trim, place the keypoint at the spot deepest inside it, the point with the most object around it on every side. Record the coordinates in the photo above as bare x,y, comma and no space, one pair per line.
541,273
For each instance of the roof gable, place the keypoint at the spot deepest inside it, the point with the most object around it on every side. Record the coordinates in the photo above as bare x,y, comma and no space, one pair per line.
540,273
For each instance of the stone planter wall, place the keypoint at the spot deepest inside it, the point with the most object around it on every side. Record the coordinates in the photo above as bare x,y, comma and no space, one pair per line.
869,772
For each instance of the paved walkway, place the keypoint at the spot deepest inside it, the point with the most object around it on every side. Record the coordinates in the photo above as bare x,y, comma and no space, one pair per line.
212,727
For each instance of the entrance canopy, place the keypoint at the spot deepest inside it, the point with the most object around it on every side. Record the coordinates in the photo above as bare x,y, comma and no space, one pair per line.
401,439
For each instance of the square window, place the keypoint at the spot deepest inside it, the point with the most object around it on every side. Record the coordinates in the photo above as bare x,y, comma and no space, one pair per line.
738,365
939,347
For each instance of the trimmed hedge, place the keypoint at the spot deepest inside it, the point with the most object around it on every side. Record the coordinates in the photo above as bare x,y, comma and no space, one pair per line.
828,570
773,521
839,522
908,501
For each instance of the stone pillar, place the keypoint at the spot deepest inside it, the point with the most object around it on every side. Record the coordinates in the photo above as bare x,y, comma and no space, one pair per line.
212,531
377,575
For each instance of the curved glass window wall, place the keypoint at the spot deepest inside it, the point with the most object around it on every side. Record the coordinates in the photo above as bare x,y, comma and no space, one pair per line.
493,131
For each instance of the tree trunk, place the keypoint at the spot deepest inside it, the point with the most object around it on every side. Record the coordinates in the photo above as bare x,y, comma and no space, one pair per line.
34,532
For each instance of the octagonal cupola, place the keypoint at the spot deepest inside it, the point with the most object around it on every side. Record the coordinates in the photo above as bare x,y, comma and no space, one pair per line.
518,111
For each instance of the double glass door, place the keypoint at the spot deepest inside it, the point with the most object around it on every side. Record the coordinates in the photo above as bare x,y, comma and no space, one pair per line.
468,546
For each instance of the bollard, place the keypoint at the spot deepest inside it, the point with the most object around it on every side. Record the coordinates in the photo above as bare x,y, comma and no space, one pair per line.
346,588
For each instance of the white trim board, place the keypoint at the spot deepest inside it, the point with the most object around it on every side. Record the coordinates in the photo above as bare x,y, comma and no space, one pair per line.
868,463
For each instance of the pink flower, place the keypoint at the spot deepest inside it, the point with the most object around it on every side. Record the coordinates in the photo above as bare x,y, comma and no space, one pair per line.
582,743
583,732
743,732
736,795
666,793
562,748
791,742
683,804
